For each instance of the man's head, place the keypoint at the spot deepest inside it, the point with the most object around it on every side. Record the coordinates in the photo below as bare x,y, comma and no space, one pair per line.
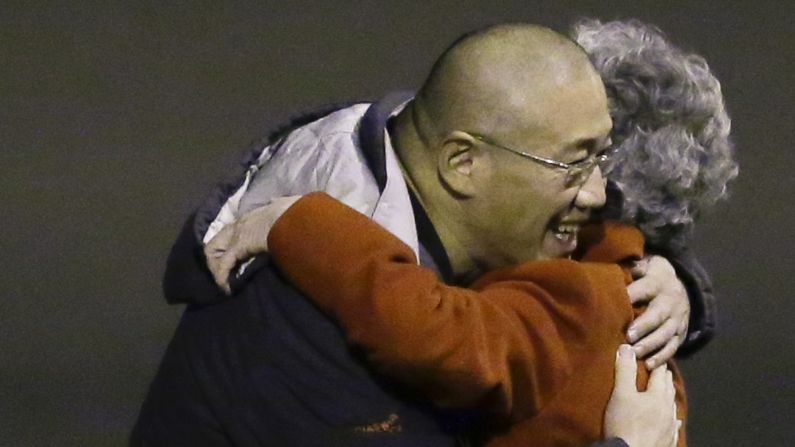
519,87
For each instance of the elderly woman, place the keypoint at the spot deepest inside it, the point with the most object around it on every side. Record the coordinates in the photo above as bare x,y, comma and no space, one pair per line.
673,155
673,159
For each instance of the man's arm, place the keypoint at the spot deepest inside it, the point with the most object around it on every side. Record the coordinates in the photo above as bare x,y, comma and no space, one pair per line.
670,295
187,278
692,307
699,289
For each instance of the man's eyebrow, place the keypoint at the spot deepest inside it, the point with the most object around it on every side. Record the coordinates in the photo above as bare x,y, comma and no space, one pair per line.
589,144
592,144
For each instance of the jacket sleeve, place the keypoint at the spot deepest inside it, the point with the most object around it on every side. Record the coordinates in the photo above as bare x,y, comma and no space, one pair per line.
187,279
505,347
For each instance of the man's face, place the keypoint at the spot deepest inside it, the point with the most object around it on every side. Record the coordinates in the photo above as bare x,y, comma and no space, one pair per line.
528,211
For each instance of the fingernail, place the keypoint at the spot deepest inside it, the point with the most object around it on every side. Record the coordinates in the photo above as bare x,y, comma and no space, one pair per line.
626,351
651,364
632,335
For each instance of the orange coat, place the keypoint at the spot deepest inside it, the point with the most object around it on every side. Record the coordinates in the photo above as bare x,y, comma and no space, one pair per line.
534,343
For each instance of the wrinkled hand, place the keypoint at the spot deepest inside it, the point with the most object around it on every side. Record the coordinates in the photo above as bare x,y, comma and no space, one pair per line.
641,419
662,327
243,238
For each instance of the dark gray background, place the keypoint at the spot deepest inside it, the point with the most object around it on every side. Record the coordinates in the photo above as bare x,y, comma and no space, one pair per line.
115,120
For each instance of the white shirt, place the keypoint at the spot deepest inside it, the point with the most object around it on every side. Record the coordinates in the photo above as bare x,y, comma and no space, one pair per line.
326,155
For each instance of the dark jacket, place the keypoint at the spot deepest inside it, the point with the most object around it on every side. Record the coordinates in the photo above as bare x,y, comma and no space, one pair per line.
268,368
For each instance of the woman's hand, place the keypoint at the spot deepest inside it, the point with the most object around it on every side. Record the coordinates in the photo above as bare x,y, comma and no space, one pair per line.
243,238
641,419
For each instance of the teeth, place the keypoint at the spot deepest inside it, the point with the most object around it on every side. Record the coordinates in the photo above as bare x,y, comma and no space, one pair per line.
569,229
566,232
563,236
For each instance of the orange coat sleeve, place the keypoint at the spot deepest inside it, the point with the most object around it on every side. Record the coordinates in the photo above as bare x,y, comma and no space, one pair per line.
507,347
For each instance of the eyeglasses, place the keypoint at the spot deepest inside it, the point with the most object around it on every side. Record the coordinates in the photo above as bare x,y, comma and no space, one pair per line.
577,173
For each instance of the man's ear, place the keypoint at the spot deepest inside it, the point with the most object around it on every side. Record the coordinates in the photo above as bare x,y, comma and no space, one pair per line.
458,164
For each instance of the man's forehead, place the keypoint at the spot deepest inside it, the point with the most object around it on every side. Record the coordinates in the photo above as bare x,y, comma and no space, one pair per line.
587,128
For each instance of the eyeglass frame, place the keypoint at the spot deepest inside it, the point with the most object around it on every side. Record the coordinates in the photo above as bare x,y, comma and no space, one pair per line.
585,166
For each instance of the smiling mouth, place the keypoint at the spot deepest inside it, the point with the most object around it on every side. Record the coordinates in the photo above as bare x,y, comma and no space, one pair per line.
566,232
561,239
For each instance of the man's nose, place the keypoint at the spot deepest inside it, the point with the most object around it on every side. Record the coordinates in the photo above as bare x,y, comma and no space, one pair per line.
592,193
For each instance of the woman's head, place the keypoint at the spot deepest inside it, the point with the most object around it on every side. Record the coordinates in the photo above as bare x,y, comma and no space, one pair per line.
673,155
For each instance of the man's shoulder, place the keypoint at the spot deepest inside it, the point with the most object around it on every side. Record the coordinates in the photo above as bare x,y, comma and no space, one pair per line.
324,142
343,121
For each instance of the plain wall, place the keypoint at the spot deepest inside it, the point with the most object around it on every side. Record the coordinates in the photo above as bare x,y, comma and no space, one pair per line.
116,119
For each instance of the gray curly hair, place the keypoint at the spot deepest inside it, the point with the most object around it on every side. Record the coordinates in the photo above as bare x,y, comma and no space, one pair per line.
673,154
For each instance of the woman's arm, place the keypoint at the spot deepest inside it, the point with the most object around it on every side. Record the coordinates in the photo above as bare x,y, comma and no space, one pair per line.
506,347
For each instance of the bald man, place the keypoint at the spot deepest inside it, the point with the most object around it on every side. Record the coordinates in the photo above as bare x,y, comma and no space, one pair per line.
493,163
517,87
